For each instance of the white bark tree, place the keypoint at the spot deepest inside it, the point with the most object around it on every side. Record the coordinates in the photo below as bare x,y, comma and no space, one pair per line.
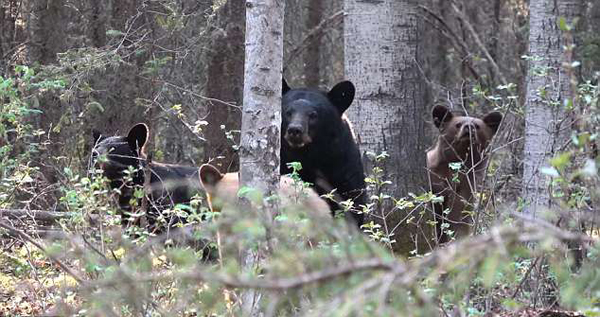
261,115
389,112
546,122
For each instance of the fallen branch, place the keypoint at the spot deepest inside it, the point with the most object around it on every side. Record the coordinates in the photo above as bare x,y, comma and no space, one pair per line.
16,233
38,215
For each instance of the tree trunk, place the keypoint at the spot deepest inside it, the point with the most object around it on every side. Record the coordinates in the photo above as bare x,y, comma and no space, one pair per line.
311,58
261,115
381,53
224,82
546,122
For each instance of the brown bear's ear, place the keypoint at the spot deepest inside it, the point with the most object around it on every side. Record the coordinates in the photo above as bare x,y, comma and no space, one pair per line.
284,86
440,115
493,120
137,137
342,95
209,176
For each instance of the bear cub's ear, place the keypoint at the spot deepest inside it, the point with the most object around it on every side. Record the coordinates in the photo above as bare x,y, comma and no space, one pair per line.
209,176
284,86
137,137
493,120
342,95
441,114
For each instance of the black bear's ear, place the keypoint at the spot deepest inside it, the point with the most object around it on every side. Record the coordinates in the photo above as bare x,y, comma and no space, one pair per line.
96,135
284,86
440,115
493,120
342,95
137,137
209,176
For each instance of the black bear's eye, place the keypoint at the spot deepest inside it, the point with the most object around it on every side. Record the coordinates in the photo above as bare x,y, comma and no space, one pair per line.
458,125
312,115
476,126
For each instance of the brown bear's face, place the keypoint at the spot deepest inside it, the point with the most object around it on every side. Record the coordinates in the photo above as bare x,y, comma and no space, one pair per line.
464,133
222,190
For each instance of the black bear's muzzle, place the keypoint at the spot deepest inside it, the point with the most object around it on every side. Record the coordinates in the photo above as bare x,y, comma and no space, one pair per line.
296,137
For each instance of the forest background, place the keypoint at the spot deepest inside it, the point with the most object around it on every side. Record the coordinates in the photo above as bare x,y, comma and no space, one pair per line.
69,67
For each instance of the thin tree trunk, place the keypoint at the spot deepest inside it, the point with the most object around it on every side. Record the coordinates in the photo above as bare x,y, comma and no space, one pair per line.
261,115
381,53
546,122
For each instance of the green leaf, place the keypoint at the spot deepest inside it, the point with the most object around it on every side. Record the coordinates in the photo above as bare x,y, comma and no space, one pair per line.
562,24
114,33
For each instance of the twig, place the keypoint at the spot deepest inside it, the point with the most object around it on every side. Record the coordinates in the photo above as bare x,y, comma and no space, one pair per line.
454,39
41,215
274,284
147,191
20,234
525,277
313,34
478,41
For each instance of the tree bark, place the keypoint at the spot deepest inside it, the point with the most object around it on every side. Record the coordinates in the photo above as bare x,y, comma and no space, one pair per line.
381,54
261,114
546,122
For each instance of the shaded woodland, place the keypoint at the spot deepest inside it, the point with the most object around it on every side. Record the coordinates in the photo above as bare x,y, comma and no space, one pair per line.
70,68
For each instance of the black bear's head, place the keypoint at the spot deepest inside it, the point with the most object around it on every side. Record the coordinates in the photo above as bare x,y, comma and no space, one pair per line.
463,133
115,154
310,113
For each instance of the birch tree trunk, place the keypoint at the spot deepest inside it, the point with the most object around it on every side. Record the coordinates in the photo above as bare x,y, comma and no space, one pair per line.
546,122
261,114
381,53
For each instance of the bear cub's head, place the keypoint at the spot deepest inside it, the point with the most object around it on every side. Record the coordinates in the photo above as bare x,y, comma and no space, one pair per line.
115,154
462,133
307,114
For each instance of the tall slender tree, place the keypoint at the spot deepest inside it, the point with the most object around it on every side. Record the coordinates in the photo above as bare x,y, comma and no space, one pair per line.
546,120
261,114
381,54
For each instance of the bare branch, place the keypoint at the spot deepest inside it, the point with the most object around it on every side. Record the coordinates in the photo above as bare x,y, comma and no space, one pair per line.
20,234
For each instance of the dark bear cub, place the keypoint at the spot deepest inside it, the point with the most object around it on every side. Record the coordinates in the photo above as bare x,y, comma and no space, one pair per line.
457,164
170,184
315,133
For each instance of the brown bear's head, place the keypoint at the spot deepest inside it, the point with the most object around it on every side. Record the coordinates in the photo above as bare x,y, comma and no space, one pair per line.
463,133
222,190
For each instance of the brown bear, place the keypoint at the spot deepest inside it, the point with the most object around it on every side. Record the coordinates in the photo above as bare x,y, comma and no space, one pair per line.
456,166
222,189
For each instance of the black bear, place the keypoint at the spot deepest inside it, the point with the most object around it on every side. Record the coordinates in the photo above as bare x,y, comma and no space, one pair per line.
457,164
170,184
315,132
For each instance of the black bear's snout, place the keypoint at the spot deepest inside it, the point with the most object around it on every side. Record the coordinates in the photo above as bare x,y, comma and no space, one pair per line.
295,131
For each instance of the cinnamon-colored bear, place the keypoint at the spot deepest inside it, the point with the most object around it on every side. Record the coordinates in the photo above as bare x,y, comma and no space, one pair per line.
222,189
456,166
